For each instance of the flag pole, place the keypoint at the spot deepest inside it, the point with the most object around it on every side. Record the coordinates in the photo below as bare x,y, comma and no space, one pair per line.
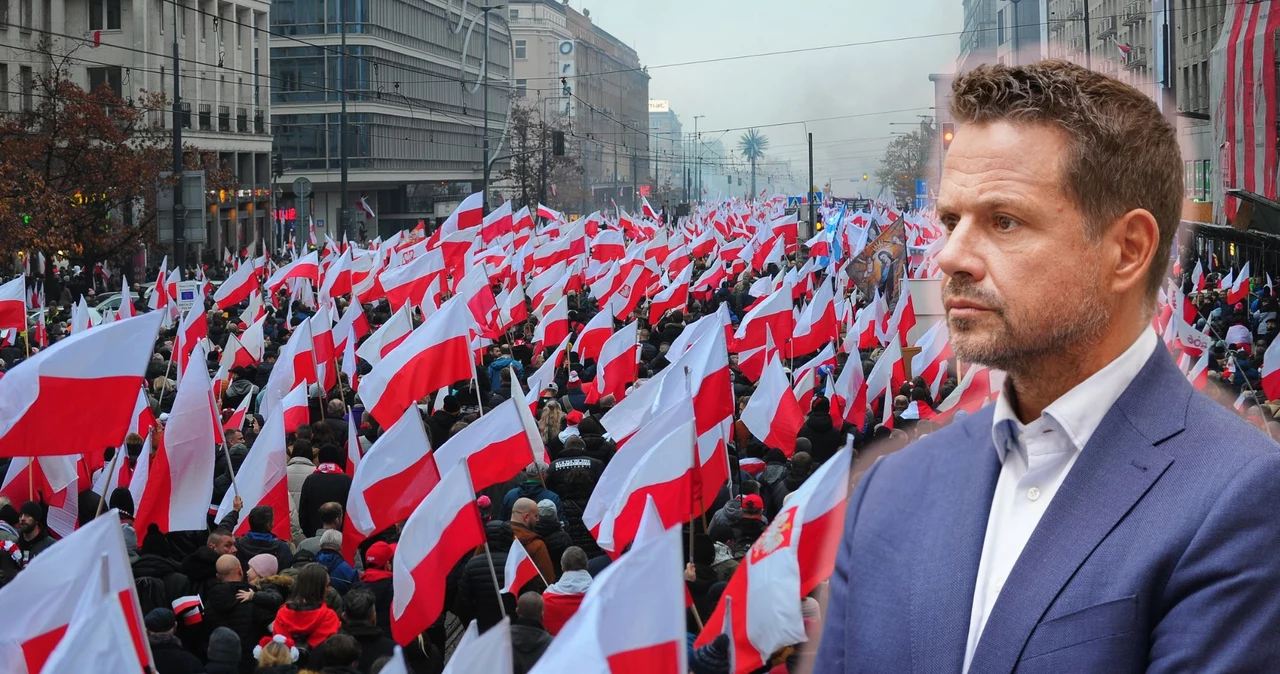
102,502
231,471
493,575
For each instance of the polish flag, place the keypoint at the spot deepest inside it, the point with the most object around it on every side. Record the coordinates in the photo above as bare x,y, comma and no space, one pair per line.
305,267
435,355
674,297
468,214
608,246
194,327
237,288
774,315
497,223
255,311
1191,341
863,329
126,309
817,324
366,286
178,485
39,609
629,286
903,317
512,309
443,529
548,214
805,377
1197,277
647,210
13,305
849,395
1271,371
888,372
393,477
632,617
1198,375
236,420
295,365
387,337
475,653
1239,291
79,392
546,373
522,220
296,410
337,278
978,387
594,335
820,245
918,410
772,414
519,570
617,365
261,478
760,607
56,482
478,296
787,226
325,352
159,297
98,626
553,327
408,282
353,324
498,445
935,350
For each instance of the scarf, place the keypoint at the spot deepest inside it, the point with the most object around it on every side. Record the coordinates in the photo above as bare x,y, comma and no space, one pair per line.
328,468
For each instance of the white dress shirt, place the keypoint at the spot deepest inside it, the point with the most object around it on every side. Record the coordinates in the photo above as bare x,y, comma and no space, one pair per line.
1035,458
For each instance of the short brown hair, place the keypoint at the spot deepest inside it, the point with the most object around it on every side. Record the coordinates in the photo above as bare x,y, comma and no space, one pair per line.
1122,153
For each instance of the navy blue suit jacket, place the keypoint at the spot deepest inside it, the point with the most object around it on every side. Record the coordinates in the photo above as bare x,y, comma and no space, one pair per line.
1159,553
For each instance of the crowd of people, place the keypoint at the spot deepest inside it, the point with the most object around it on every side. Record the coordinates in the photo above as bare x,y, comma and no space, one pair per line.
214,601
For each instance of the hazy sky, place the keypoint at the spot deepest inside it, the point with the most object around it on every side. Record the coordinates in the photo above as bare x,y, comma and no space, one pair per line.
784,88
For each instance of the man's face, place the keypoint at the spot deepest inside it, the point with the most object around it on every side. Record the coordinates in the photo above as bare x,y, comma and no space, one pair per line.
226,545
1024,280
27,523
234,437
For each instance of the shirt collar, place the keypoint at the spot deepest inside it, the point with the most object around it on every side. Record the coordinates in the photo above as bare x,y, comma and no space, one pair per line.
1078,412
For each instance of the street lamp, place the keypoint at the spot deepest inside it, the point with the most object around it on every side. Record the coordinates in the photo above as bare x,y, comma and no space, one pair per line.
697,144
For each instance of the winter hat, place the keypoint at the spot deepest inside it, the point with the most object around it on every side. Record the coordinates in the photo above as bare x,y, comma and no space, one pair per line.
264,565
160,620
122,500
379,554
130,542
712,658
547,510
752,506
280,638
224,646
33,510
573,418
155,543
331,539
9,515
574,380
484,504
809,609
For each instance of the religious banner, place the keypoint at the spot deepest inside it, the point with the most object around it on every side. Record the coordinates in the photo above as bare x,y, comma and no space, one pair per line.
880,264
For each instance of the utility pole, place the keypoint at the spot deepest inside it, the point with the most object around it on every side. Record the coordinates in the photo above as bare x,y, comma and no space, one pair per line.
615,174
812,220
1088,53
484,69
179,208
697,145
635,184
343,150
542,179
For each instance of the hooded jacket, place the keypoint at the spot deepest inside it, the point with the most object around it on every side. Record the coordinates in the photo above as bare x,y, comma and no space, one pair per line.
819,429
530,489
249,620
252,544
537,550
312,624
529,640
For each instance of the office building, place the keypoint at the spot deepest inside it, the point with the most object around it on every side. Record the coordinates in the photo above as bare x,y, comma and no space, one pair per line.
415,106
978,39
128,45
1019,31
666,151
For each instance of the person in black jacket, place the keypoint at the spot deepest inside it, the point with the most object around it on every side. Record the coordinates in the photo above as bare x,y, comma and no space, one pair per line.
377,579
572,457
358,618
155,561
594,443
824,436
329,484
477,597
440,423
233,603
168,653
260,540
529,639
333,414
552,533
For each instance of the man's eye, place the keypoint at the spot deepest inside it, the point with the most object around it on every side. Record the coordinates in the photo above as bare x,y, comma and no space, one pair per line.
1005,223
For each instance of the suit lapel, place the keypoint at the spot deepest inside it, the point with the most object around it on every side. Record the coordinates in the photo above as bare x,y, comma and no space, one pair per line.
1114,471
960,485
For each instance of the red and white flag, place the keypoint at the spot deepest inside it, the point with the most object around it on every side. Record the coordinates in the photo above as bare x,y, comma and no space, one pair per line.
261,480
553,327
903,317
387,337
546,213
772,414
337,278
1271,371
978,387
193,328
468,214
393,477
126,301
443,529
477,653
519,570
594,335
352,324
179,479
236,420
435,355
498,445
306,267
888,373
817,324
672,297
237,288
632,617
13,305
1239,291
39,608
617,365
78,393
99,624
408,282
849,395
296,410
796,552
935,351
295,365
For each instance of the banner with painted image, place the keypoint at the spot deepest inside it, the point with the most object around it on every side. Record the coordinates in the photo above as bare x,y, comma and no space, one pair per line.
881,264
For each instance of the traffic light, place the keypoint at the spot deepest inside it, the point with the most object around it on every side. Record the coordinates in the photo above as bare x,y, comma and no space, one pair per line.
948,134
864,177
557,143
277,165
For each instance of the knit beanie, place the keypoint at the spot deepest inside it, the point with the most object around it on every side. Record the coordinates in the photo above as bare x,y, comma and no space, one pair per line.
224,646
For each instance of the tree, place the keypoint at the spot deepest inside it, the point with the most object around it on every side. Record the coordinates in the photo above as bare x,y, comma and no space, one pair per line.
531,143
78,169
753,144
905,161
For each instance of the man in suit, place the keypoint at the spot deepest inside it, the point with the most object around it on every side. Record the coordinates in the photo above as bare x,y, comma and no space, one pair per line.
1102,515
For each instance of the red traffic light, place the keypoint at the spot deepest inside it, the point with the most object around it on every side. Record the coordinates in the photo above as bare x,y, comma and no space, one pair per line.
948,134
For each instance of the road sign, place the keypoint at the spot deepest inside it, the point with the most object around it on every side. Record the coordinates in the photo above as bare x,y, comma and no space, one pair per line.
302,187
187,294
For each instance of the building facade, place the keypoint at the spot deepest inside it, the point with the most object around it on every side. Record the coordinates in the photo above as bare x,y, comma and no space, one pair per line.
224,70
1019,31
978,40
595,84
415,87
666,149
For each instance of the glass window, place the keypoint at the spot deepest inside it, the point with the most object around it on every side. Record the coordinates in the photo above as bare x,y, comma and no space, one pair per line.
28,83
513,14
999,27
109,76
522,88
113,14
4,86
24,14
521,49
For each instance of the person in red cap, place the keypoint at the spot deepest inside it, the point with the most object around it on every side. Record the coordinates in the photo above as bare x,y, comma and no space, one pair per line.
574,398
377,578
752,524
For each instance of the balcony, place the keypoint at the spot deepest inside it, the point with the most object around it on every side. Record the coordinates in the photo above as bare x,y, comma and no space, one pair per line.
1075,9
1136,58
1106,26
1109,66
1134,12
1076,44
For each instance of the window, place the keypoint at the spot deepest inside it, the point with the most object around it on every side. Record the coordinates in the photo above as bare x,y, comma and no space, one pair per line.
999,27
109,76
522,88
224,118
160,14
103,14
24,15
4,87
4,12
242,120
513,14
521,49
28,84
206,117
